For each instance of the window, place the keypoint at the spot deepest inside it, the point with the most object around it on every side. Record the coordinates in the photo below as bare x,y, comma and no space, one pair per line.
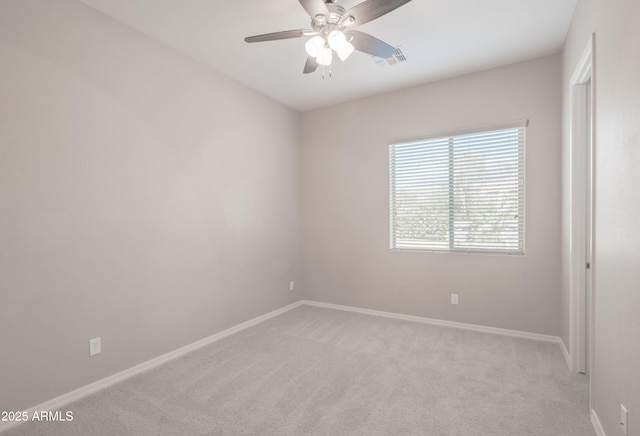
459,193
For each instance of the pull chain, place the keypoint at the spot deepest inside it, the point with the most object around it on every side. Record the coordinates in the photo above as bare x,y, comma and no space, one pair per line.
330,72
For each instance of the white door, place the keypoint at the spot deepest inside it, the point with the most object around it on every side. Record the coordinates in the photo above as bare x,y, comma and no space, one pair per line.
588,230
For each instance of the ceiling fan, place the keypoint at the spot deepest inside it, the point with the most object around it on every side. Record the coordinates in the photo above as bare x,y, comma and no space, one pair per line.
332,31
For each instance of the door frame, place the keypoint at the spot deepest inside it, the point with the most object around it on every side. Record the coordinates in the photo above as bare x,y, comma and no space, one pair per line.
582,143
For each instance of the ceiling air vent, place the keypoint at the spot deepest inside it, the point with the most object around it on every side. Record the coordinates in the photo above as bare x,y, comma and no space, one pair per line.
398,56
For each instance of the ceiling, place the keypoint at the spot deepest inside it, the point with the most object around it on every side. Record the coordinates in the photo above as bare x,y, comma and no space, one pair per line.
440,38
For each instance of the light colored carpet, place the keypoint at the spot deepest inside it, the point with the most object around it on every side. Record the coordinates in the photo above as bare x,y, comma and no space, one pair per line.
315,371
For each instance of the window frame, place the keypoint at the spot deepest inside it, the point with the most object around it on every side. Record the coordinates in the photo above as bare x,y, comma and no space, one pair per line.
521,250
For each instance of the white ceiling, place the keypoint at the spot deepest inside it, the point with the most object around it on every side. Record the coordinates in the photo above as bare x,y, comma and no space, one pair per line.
440,38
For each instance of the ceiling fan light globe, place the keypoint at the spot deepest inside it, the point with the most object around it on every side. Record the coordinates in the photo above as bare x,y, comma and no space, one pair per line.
345,51
336,40
325,57
314,46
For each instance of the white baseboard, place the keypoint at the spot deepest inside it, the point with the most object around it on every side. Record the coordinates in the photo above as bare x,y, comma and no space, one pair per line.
94,387
440,322
565,353
596,424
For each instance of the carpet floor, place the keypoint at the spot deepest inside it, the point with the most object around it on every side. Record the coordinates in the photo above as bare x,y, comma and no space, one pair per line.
314,371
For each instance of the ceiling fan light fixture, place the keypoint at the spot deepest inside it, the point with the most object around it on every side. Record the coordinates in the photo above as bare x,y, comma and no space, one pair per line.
331,31
336,40
345,51
314,46
325,57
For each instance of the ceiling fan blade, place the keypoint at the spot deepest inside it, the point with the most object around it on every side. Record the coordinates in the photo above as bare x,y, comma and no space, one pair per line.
286,34
311,65
314,7
369,10
368,44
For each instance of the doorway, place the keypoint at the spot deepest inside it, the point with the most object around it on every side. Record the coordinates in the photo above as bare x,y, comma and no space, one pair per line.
588,234
581,211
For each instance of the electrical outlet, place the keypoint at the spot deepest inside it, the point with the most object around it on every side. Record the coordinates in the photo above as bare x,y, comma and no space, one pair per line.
454,298
623,419
291,287
95,346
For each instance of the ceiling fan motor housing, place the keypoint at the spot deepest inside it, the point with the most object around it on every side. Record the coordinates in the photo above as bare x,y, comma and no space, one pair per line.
323,23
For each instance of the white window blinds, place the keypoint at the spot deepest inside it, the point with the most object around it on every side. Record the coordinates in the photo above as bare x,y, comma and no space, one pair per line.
459,193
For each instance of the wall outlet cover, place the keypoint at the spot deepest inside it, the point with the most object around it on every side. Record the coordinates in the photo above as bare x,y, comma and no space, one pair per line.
95,346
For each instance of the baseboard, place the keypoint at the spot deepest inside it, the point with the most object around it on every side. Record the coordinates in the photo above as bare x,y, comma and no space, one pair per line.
440,322
596,424
92,388
565,353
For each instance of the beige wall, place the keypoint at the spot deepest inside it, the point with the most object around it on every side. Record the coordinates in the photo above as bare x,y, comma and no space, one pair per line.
345,217
143,198
615,378
151,201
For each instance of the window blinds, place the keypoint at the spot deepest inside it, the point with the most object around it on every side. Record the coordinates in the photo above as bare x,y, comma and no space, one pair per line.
459,193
